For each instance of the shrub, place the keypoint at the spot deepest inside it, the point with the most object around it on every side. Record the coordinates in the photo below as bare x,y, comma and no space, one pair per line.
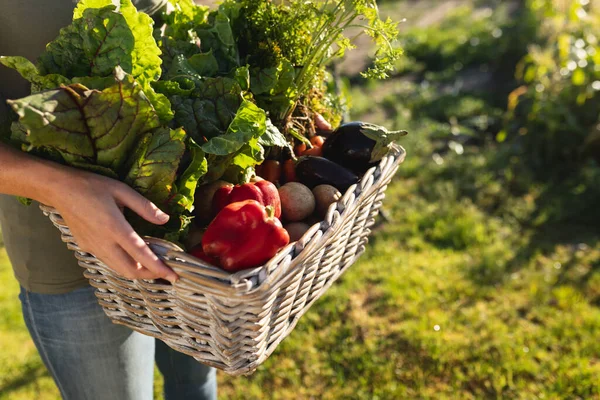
554,116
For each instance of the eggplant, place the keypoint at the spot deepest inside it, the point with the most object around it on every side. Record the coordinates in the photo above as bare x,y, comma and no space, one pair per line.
313,171
359,145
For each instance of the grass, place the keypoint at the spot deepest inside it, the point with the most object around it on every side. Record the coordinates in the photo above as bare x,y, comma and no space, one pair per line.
484,284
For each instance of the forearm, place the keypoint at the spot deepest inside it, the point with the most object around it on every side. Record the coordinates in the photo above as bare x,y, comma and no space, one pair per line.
27,176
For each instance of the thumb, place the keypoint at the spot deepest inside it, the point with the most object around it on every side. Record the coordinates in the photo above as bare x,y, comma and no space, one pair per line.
140,205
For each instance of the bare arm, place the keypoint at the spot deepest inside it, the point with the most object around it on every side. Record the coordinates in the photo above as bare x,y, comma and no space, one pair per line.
91,205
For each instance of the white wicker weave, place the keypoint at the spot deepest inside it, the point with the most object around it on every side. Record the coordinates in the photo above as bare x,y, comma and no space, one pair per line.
234,321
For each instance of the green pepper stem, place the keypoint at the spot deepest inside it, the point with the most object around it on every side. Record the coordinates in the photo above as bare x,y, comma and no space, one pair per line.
270,211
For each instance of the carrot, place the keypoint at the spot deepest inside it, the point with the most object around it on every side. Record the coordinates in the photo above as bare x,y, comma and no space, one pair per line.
317,141
299,149
315,151
289,171
271,170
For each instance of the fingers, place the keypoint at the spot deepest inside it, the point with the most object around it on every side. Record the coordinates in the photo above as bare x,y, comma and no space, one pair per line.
135,246
126,266
131,199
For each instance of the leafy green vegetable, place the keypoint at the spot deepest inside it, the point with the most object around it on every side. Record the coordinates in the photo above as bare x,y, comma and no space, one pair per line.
218,36
92,45
273,137
153,173
210,109
88,126
88,50
30,72
249,123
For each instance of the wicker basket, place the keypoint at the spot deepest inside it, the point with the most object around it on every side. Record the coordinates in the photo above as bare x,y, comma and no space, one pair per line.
235,321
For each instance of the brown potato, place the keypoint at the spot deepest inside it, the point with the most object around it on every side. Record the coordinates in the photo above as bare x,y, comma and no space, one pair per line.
296,230
297,201
203,203
324,196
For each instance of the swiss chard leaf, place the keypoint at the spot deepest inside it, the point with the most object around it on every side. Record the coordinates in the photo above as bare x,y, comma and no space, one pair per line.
218,36
153,168
273,137
211,109
185,16
156,160
205,64
187,182
88,126
100,39
249,123
31,73
91,45
177,87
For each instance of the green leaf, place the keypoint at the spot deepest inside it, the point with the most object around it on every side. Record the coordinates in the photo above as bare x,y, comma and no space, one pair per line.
155,164
205,64
178,87
263,80
31,73
218,37
153,169
188,181
181,68
242,76
95,82
211,109
24,200
88,126
251,154
249,123
145,53
98,169
185,16
92,45
83,5
273,137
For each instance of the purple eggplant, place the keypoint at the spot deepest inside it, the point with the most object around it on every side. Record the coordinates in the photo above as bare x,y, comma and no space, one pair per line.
359,145
313,171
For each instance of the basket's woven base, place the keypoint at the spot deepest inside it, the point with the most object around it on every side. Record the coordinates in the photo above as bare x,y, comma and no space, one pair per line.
234,321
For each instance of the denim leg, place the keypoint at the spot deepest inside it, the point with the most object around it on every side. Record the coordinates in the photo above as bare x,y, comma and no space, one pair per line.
89,357
185,378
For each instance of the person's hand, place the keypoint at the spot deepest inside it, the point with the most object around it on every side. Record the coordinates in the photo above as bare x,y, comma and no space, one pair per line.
92,205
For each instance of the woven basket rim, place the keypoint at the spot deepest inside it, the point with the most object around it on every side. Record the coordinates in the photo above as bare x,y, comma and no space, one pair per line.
257,279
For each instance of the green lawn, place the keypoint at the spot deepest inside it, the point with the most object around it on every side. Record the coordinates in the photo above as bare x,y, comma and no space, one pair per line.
448,302
484,283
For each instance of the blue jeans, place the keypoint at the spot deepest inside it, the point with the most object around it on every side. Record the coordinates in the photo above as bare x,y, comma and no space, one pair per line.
90,358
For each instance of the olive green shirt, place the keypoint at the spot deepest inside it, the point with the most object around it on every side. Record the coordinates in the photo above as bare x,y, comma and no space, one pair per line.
40,260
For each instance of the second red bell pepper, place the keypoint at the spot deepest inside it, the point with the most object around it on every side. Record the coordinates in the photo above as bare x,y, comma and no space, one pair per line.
263,191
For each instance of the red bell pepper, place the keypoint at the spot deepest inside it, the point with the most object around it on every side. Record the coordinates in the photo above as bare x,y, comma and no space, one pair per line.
243,235
198,252
263,191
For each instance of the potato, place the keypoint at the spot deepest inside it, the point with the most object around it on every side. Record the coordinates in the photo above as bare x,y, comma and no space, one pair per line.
297,201
324,196
194,237
296,230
